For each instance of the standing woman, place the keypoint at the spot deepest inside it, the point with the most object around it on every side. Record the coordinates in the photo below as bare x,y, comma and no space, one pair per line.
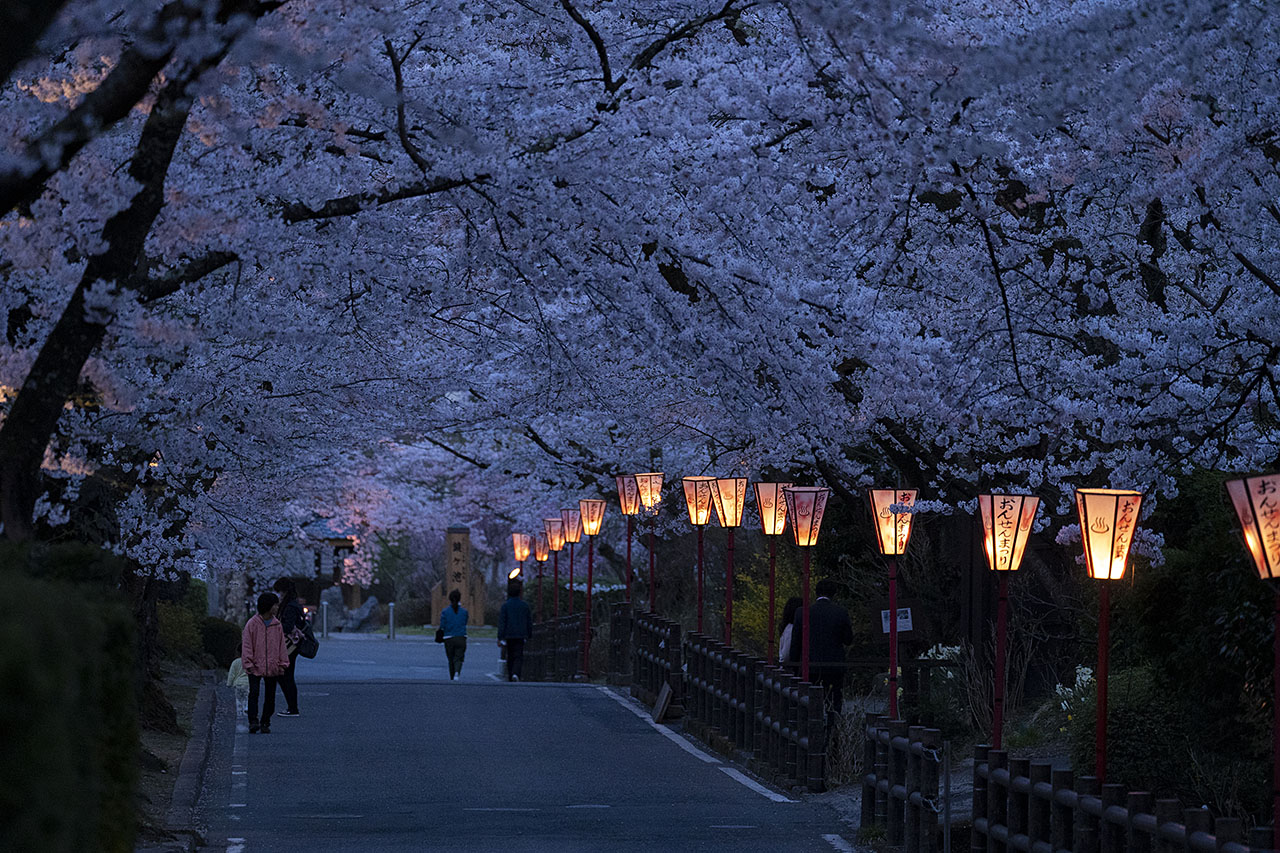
291,619
453,621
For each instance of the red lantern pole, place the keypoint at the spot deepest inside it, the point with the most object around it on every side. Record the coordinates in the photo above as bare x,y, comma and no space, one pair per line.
539,592
804,621
555,584
1002,602
1100,726
1275,735
653,587
630,533
571,578
700,578
728,594
893,637
773,556
586,622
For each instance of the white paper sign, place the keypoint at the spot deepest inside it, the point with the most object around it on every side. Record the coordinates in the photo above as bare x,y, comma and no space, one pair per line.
904,620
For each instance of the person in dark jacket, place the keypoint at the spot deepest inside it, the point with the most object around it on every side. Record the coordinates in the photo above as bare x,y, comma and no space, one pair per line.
515,625
829,632
291,619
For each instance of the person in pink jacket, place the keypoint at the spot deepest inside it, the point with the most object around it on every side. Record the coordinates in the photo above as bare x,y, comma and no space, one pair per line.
263,655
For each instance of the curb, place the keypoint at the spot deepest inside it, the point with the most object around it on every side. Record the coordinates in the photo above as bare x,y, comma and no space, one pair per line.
180,819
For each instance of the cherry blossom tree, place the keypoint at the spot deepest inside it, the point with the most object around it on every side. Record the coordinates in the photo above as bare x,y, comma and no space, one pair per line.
427,263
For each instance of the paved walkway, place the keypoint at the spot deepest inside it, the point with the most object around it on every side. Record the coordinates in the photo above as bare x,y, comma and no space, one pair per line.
389,755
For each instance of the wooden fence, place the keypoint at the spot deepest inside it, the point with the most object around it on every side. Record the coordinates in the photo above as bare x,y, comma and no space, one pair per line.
620,626
902,765
656,661
737,703
1027,806
554,653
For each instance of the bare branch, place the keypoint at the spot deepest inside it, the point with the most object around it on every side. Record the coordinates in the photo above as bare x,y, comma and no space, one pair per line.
401,125
610,85
350,204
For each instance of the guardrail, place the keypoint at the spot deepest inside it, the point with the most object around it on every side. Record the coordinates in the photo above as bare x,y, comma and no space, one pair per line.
902,765
554,653
738,703
1027,806
656,661
620,622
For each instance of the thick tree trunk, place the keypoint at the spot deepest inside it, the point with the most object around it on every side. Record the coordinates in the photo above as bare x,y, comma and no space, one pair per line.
31,421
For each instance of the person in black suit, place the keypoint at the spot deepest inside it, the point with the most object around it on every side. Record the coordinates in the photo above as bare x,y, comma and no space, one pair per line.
829,632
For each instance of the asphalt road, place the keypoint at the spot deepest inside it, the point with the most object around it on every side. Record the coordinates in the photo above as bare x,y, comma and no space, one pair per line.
389,755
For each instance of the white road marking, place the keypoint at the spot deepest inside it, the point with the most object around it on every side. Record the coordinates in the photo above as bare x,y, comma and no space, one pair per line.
742,778
838,843
236,845
662,730
366,662
494,676
731,826
497,809
588,806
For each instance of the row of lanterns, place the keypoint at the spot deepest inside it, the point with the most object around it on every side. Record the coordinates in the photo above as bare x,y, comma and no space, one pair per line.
1108,521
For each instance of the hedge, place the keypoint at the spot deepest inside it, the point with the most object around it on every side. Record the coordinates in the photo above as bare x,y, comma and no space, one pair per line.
68,710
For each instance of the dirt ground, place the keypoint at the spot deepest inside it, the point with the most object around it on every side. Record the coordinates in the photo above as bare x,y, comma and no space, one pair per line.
162,754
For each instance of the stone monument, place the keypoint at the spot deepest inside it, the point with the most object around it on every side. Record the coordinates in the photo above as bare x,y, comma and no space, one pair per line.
459,575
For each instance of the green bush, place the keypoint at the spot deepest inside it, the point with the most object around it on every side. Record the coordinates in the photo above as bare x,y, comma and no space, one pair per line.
1147,738
221,639
179,634
68,710
196,599
413,611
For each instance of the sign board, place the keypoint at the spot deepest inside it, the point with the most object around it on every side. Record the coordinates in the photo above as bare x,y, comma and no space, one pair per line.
662,703
904,620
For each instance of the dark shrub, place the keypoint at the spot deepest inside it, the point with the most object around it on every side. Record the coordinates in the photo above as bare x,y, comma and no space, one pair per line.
68,757
221,639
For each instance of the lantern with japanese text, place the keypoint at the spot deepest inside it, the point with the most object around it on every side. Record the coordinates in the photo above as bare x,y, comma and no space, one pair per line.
771,504
697,497
806,506
1006,527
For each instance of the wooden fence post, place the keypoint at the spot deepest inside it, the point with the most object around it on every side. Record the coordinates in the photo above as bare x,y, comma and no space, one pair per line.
869,728
1086,828
1019,802
1061,819
1111,835
1139,803
911,811
979,842
1167,811
897,781
997,796
1039,806
929,817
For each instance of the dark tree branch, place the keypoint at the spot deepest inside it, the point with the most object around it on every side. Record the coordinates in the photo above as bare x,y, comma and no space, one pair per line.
401,124
347,205
152,289
22,22
114,98
1258,273
610,85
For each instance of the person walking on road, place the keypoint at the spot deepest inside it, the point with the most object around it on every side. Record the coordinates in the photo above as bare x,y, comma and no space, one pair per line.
515,625
291,619
263,656
453,621
829,632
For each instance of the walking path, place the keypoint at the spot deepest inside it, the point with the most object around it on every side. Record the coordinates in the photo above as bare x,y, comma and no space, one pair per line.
390,755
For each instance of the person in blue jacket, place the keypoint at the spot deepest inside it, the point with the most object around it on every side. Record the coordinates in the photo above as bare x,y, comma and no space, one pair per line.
515,625
453,621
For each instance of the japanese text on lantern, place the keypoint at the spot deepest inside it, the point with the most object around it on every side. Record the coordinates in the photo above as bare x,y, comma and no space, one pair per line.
1124,528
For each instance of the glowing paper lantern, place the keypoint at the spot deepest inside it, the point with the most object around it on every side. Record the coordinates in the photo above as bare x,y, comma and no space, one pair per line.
1108,519
1006,527
893,529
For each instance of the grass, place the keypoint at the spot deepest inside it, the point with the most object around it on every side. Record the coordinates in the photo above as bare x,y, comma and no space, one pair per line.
482,632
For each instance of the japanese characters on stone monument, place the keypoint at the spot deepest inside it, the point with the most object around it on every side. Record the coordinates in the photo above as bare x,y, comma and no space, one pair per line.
459,575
